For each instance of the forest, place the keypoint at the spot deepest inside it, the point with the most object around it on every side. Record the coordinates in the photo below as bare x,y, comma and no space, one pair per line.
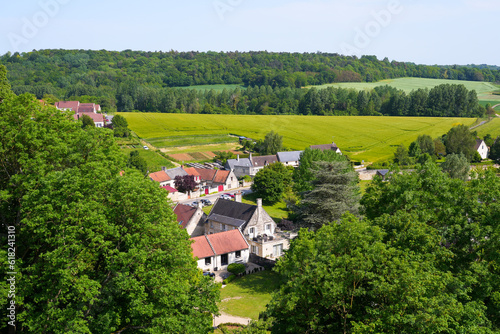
138,80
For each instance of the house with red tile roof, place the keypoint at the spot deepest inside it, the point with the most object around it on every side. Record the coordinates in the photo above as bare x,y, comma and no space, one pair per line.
324,147
216,251
217,179
162,178
97,118
192,219
192,171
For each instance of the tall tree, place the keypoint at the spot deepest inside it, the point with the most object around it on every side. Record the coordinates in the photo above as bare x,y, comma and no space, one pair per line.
185,183
272,144
458,140
271,182
495,150
87,121
97,251
457,166
335,191
5,90
401,155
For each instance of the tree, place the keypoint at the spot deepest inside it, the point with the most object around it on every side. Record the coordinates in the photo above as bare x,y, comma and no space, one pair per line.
495,150
304,174
401,156
98,251
120,126
439,147
457,166
271,182
185,183
272,144
87,121
347,278
426,144
335,191
414,149
458,140
5,90
223,156
137,162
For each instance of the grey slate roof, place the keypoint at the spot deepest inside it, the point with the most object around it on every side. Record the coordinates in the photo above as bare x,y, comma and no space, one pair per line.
176,171
245,162
226,220
233,212
263,160
289,156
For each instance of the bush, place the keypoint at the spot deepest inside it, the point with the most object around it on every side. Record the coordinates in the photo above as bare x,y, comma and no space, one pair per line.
236,268
229,279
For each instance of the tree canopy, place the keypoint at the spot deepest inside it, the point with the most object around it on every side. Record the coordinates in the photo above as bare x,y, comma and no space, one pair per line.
271,182
98,250
459,139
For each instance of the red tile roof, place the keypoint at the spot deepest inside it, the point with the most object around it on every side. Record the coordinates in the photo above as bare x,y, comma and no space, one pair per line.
170,189
191,171
95,117
201,247
206,174
226,242
221,176
184,213
73,105
160,176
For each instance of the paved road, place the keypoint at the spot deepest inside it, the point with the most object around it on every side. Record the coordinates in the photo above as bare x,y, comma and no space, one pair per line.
213,197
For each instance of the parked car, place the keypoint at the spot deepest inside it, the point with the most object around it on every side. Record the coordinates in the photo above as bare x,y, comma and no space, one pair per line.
230,195
194,204
206,202
145,147
224,196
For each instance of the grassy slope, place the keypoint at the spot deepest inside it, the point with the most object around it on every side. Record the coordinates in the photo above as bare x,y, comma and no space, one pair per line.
362,138
492,127
154,160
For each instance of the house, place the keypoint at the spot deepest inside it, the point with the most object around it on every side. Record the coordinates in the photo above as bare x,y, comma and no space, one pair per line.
240,167
173,172
80,109
324,147
481,148
174,194
291,158
382,173
216,251
213,180
262,161
162,178
190,218
192,171
254,223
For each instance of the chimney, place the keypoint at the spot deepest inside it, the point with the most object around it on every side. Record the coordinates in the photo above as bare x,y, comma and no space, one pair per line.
200,205
237,197
259,202
250,156
238,157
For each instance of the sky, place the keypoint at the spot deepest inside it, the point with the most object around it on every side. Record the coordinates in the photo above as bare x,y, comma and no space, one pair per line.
442,32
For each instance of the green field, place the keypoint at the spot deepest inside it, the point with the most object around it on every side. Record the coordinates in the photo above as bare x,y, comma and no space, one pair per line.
483,89
203,139
153,159
368,138
492,127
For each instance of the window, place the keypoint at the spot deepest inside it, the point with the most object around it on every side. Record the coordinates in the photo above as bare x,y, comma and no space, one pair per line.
252,232
237,254
223,259
223,227
208,261
254,249
268,228
211,224
277,250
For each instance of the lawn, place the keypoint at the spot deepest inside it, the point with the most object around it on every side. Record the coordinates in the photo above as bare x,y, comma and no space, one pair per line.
248,296
368,138
277,211
153,159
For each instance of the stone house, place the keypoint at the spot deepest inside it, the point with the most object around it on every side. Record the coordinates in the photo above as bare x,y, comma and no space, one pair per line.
190,218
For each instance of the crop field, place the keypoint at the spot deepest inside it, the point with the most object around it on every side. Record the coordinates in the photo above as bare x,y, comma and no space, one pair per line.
492,127
483,89
360,137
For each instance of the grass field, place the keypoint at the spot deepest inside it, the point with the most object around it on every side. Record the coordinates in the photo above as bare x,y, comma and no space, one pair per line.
154,160
492,127
483,89
249,295
360,137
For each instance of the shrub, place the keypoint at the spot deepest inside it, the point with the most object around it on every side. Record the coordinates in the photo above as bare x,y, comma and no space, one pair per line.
229,279
236,268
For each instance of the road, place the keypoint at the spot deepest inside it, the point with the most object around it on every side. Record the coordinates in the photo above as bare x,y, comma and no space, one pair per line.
213,197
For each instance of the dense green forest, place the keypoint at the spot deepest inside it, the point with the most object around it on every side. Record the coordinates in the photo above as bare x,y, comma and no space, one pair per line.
140,80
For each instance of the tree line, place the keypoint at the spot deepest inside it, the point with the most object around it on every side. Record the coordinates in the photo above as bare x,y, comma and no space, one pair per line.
74,73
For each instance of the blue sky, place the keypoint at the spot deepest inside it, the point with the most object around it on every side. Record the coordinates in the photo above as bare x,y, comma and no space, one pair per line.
420,31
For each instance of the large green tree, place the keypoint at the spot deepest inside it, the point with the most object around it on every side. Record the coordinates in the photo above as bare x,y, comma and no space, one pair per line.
272,143
335,191
304,173
457,166
271,182
97,250
5,90
458,140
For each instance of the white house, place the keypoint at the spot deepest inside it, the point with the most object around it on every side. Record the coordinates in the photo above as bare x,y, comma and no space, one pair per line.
216,251
481,148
